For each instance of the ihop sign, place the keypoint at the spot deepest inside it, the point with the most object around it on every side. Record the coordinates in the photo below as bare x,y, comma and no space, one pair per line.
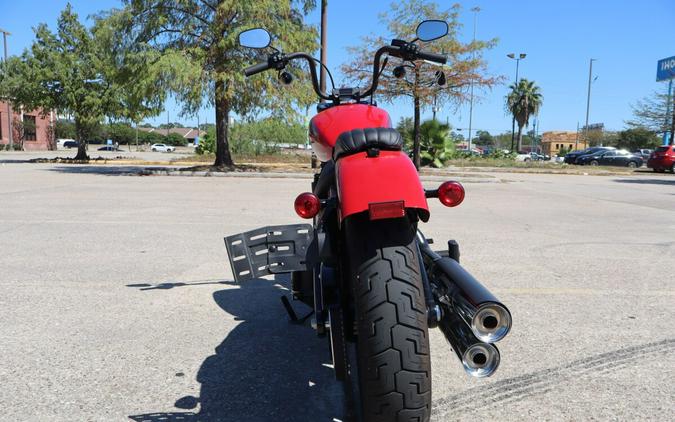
665,69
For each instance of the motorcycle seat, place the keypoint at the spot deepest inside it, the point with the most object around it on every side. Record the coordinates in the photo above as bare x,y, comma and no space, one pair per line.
357,140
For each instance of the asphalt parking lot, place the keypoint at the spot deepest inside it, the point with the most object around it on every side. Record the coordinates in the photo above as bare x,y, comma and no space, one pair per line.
116,300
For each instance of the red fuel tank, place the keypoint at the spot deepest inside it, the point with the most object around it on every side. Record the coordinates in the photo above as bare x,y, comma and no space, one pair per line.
325,127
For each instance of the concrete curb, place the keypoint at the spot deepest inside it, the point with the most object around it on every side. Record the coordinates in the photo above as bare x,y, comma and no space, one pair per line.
276,175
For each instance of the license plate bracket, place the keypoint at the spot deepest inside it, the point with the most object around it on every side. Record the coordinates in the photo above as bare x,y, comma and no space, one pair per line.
270,250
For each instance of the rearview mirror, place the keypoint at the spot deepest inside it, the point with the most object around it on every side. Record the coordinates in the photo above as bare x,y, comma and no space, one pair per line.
431,30
255,38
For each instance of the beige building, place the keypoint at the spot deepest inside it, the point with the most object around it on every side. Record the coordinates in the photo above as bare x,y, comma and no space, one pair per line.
552,142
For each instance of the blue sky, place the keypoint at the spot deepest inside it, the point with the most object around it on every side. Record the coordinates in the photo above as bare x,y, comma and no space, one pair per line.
626,37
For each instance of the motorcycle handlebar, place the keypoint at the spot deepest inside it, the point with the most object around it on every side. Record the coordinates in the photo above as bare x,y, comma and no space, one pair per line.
257,68
395,51
432,57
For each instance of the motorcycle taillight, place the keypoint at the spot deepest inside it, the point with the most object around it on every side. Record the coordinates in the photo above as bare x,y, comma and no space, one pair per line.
451,194
307,205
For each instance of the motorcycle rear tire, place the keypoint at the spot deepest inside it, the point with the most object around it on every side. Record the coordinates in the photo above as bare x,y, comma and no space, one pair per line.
394,366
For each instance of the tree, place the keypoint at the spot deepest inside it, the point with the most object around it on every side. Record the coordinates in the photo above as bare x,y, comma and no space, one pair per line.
199,39
503,140
419,83
170,125
637,138
523,101
79,72
484,138
406,128
652,113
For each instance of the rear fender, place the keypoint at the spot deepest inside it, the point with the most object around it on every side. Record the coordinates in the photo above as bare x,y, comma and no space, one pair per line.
391,176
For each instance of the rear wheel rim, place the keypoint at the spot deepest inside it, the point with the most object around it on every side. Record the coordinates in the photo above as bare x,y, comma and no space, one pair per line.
594,163
632,165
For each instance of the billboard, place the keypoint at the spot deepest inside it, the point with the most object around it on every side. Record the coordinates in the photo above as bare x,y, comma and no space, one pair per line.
665,69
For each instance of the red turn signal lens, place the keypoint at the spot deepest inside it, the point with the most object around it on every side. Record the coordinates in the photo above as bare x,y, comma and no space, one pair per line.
307,205
382,210
451,194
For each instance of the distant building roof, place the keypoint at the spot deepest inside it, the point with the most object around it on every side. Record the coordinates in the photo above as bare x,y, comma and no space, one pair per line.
559,136
185,132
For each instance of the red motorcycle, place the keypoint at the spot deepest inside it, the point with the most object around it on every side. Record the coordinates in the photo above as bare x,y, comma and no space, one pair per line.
371,277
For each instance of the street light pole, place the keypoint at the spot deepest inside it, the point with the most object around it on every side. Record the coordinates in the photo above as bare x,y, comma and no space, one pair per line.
588,99
475,11
324,42
513,120
9,108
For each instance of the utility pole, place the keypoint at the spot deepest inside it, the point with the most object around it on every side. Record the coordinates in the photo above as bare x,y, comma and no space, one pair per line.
672,126
669,102
475,11
324,42
513,120
9,107
588,99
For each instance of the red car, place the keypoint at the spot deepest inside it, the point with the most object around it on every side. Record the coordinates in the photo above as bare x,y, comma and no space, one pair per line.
662,159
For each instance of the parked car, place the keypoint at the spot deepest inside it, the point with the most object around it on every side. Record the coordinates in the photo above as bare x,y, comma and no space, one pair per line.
71,144
662,159
109,148
572,157
532,156
644,153
162,148
611,158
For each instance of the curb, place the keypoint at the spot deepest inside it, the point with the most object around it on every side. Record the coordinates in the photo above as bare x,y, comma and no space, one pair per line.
302,176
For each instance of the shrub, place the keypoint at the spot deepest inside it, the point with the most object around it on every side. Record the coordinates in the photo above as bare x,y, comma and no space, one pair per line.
207,144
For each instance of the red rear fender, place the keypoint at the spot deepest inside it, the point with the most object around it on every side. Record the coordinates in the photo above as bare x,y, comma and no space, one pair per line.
391,176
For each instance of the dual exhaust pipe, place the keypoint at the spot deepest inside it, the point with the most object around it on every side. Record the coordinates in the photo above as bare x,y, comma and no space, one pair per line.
472,318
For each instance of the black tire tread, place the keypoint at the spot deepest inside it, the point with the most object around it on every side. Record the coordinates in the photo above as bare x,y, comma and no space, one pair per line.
393,345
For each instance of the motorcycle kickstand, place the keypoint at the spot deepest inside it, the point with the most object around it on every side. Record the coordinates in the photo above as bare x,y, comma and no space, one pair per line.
291,313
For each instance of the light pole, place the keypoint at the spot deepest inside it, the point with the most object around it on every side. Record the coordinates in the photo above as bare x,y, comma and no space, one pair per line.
324,42
588,99
520,57
475,11
9,108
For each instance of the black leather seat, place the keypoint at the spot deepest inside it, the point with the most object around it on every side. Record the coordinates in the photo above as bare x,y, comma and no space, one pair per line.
358,140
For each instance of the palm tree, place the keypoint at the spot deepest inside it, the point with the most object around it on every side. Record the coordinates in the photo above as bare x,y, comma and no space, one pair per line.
523,101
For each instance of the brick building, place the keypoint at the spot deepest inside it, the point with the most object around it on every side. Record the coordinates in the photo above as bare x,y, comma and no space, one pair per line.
552,142
31,130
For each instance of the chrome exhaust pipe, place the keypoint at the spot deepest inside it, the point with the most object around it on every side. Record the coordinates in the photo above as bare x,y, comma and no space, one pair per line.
481,311
478,359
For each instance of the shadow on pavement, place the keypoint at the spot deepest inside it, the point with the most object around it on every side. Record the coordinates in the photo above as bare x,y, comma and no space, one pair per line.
647,181
105,170
266,369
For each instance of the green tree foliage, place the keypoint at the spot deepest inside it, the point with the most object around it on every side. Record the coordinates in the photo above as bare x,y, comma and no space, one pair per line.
406,128
170,125
257,137
483,138
175,139
637,138
199,39
65,129
207,144
503,140
436,147
651,113
80,72
523,101
466,59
